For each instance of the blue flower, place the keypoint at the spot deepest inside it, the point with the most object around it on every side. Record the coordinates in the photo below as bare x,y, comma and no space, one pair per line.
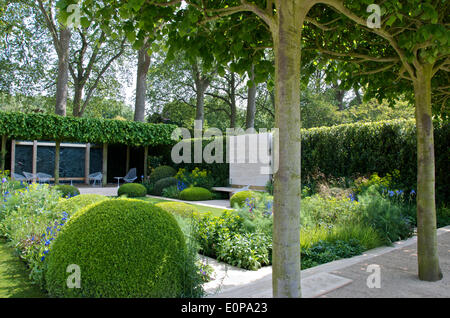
413,192
4,180
391,193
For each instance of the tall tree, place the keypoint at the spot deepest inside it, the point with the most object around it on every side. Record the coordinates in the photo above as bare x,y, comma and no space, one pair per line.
61,35
251,101
141,81
410,54
93,55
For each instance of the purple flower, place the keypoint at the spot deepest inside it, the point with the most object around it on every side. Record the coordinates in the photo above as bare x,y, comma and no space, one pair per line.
4,180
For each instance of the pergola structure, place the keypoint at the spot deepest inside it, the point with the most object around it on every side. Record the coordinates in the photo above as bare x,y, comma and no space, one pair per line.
58,146
60,131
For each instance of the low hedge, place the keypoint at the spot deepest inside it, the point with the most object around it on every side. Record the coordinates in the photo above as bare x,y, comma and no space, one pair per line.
196,194
241,197
178,208
124,248
132,190
72,205
67,190
161,184
161,173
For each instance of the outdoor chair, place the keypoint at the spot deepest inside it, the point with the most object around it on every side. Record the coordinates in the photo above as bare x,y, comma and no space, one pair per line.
43,177
18,177
29,176
97,176
131,176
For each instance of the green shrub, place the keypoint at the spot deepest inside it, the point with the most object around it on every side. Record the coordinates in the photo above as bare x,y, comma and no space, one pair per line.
26,215
210,230
178,208
149,186
248,250
319,210
325,252
239,198
132,190
171,192
161,173
368,237
195,194
389,218
124,248
443,216
67,190
72,205
196,178
161,184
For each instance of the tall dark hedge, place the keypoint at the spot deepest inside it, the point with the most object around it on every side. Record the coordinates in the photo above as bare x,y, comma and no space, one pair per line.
382,147
359,149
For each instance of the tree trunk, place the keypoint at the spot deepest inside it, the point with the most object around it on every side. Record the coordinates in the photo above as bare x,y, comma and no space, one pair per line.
427,251
77,99
251,102
200,103
63,72
233,109
141,83
286,228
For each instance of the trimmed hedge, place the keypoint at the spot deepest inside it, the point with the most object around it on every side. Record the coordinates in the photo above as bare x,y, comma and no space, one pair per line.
74,129
366,148
239,198
132,190
67,190
179,208
160,185
358,149
161,173
196,194
72,205
124,248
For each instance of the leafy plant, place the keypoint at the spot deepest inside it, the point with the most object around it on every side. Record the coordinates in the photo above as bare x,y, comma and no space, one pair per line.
195,194
132,190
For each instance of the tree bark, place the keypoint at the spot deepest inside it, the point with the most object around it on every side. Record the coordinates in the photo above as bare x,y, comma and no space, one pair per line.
286,228
201,85
233,108
427,251
63,71
141,83
251,102
77,99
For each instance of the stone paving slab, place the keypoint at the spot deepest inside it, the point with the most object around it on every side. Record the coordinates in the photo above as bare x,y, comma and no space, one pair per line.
348,277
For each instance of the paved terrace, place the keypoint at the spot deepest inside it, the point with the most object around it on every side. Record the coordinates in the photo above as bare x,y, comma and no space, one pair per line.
345,278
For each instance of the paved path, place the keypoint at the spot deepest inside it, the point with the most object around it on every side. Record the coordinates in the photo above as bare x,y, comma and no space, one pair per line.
348,277
111,191
225,204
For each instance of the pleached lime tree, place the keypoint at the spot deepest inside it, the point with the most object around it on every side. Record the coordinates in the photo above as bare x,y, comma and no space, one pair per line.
406,54
284,21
